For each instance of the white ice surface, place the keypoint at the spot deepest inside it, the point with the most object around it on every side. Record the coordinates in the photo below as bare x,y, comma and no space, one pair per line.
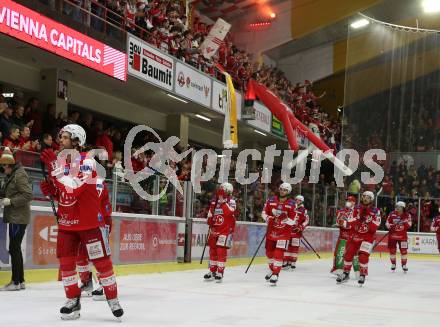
305,297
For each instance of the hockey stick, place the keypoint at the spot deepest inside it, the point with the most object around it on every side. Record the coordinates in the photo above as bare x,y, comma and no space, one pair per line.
209,232
54,210
379,241
305,245
255,254
310,246
206,243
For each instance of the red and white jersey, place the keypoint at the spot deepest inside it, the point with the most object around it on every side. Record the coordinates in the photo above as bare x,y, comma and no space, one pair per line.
342,217
221,217
300,220
279,217
364,222
398,224
435,225
80,192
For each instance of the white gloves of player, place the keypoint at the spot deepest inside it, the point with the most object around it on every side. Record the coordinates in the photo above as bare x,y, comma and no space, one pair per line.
5,202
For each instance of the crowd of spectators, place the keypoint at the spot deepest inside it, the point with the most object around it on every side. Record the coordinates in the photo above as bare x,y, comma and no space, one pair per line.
164,25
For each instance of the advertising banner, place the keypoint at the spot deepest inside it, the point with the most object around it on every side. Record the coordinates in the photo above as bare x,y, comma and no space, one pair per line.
426,244
240,242
193,85
44,240
255,235
263,118
149,64
141,241
200,233
220,98
199,236
277,127
321,239
31,27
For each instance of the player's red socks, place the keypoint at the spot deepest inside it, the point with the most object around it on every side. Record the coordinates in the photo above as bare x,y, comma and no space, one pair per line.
83,268
69,277
221,254
107,277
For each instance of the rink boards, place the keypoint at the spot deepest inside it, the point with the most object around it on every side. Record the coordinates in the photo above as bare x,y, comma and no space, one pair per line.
137,239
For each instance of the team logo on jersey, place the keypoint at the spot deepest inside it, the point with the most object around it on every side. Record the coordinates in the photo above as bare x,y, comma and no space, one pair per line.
219,220
363,228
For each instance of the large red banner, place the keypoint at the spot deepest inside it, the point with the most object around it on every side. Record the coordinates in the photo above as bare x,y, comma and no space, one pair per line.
38,30
142,241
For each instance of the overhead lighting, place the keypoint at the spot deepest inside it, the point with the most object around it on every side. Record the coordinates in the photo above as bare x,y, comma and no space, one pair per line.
431,6
220,156
203,117
8,95
258,132
360,23
273,15
176,98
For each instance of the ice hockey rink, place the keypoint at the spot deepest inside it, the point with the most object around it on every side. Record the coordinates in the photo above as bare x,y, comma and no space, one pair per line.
307,296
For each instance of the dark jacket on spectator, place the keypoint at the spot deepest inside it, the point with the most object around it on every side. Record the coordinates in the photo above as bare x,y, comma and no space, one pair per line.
5,126
18,188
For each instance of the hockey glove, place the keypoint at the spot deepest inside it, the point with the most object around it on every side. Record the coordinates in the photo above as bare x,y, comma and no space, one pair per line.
47,188
49,158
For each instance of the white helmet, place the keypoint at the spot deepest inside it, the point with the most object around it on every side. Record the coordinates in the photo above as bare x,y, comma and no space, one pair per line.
299,198
369,194
400,204
227,187
286,186
76,132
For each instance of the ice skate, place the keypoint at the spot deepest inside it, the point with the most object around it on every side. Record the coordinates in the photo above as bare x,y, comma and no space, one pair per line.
268,276
115,307
293,265
209,276
98,294
361,280
393,267
22,286
343,278
218,277
285,266
71,309
273,280
405,268
87,287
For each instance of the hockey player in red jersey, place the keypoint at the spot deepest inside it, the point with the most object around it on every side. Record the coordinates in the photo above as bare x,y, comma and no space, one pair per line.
398,223
279,214
435,227
343,215
301,221
221,220
364,223
73,180
82,261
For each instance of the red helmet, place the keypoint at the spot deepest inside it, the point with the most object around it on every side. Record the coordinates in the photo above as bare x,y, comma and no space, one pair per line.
351,198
